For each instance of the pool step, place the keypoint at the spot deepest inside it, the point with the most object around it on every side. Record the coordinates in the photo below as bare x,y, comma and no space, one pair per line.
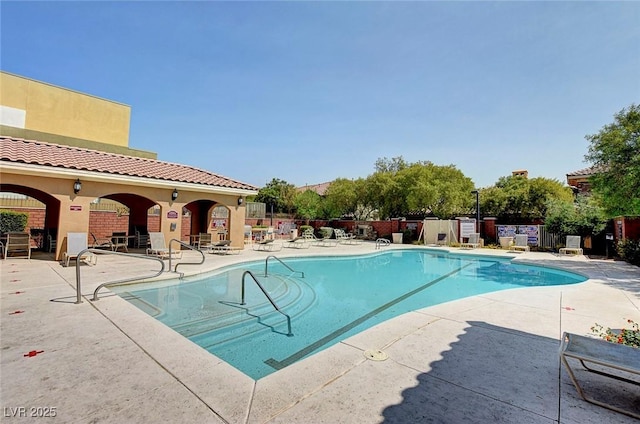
257,318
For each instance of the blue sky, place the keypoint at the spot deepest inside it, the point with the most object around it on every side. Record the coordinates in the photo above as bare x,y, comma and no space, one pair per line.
309,92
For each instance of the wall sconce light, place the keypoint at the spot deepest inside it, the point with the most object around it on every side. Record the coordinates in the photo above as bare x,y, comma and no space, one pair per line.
174,195
77,186
240,201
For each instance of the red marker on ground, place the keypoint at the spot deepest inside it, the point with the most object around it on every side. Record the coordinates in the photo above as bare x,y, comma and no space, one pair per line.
32,353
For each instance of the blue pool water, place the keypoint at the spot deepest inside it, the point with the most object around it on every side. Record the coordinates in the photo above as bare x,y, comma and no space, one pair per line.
337,298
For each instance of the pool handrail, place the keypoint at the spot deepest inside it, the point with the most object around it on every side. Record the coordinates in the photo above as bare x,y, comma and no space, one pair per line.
266,263
109,252
184,263
381,242
268,297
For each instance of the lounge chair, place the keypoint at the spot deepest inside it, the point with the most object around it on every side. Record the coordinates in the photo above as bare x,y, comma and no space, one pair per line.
345,238
101,243
76,243
248,237
267,245
204,241
159,248
17,242
572,246
326,241
607,356
521,243
473,242
298,243
223,247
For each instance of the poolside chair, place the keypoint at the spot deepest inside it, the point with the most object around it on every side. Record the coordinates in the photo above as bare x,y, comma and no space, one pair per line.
223,247
521,243
159,248
326,241
101,243
17,242
572,246
204,241
141,240
76,243
51,243
472,243
248,239
442,239
345,238
298,243
267,245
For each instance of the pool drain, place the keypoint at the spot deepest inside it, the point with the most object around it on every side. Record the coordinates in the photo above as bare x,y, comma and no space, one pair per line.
375,355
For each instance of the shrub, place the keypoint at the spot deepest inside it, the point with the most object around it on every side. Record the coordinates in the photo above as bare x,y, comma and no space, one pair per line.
305,228
13,221
629,250
626,337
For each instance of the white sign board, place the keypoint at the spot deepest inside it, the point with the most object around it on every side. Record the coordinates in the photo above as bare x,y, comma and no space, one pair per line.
467,227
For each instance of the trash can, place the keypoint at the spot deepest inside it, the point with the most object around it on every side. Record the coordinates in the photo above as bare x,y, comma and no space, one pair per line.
397,238
293,233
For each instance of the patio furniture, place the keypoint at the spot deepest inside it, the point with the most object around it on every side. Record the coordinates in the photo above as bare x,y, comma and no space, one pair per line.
326,241
298,243
472,243
572,246
104,243
223,247
268,245
159,248
141,240
119,240
606,356
521,243
204,241
17,242
442,239
76,243
51,243
248,239
345,238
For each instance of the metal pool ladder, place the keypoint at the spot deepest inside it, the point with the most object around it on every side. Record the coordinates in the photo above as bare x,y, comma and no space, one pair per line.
266,264
381,242
289,334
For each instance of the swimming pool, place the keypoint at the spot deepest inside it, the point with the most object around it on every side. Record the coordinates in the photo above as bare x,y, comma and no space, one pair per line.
337,298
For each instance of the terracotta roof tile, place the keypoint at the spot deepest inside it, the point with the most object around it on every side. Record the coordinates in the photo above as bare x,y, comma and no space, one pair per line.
321,188
68,157
585,171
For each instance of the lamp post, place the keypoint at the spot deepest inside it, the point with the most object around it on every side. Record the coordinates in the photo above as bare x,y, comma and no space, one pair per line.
477,193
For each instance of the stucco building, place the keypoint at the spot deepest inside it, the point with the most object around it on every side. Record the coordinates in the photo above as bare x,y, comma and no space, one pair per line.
67,149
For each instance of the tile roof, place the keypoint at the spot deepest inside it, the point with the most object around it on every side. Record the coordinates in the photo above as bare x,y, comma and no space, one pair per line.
34,152
585,171
321,189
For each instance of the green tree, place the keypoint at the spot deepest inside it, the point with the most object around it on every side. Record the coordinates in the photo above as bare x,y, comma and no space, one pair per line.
341,197
279,193
308,204
583,217
517,198
615,152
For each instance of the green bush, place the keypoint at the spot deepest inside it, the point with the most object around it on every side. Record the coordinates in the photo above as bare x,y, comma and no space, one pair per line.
629,250
13,221
305,228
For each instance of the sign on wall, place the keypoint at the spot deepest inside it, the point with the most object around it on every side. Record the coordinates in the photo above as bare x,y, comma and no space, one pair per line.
172,215
75,208
467,227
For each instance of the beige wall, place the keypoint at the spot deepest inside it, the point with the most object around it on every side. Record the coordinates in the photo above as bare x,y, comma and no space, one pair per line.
73,220
55,110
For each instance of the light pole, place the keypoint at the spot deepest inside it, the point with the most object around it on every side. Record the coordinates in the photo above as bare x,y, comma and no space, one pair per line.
477,193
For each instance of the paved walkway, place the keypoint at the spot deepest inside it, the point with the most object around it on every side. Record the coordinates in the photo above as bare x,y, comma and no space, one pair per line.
484,359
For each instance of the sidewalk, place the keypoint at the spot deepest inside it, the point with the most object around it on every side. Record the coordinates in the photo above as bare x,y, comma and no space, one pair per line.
489,358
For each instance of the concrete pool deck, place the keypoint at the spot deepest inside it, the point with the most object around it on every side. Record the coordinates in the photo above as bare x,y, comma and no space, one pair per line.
488,358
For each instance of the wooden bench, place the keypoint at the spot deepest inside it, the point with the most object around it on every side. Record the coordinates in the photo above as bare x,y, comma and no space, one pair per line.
17,243
604,354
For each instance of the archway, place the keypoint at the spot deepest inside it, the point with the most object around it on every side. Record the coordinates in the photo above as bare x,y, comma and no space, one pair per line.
43,217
